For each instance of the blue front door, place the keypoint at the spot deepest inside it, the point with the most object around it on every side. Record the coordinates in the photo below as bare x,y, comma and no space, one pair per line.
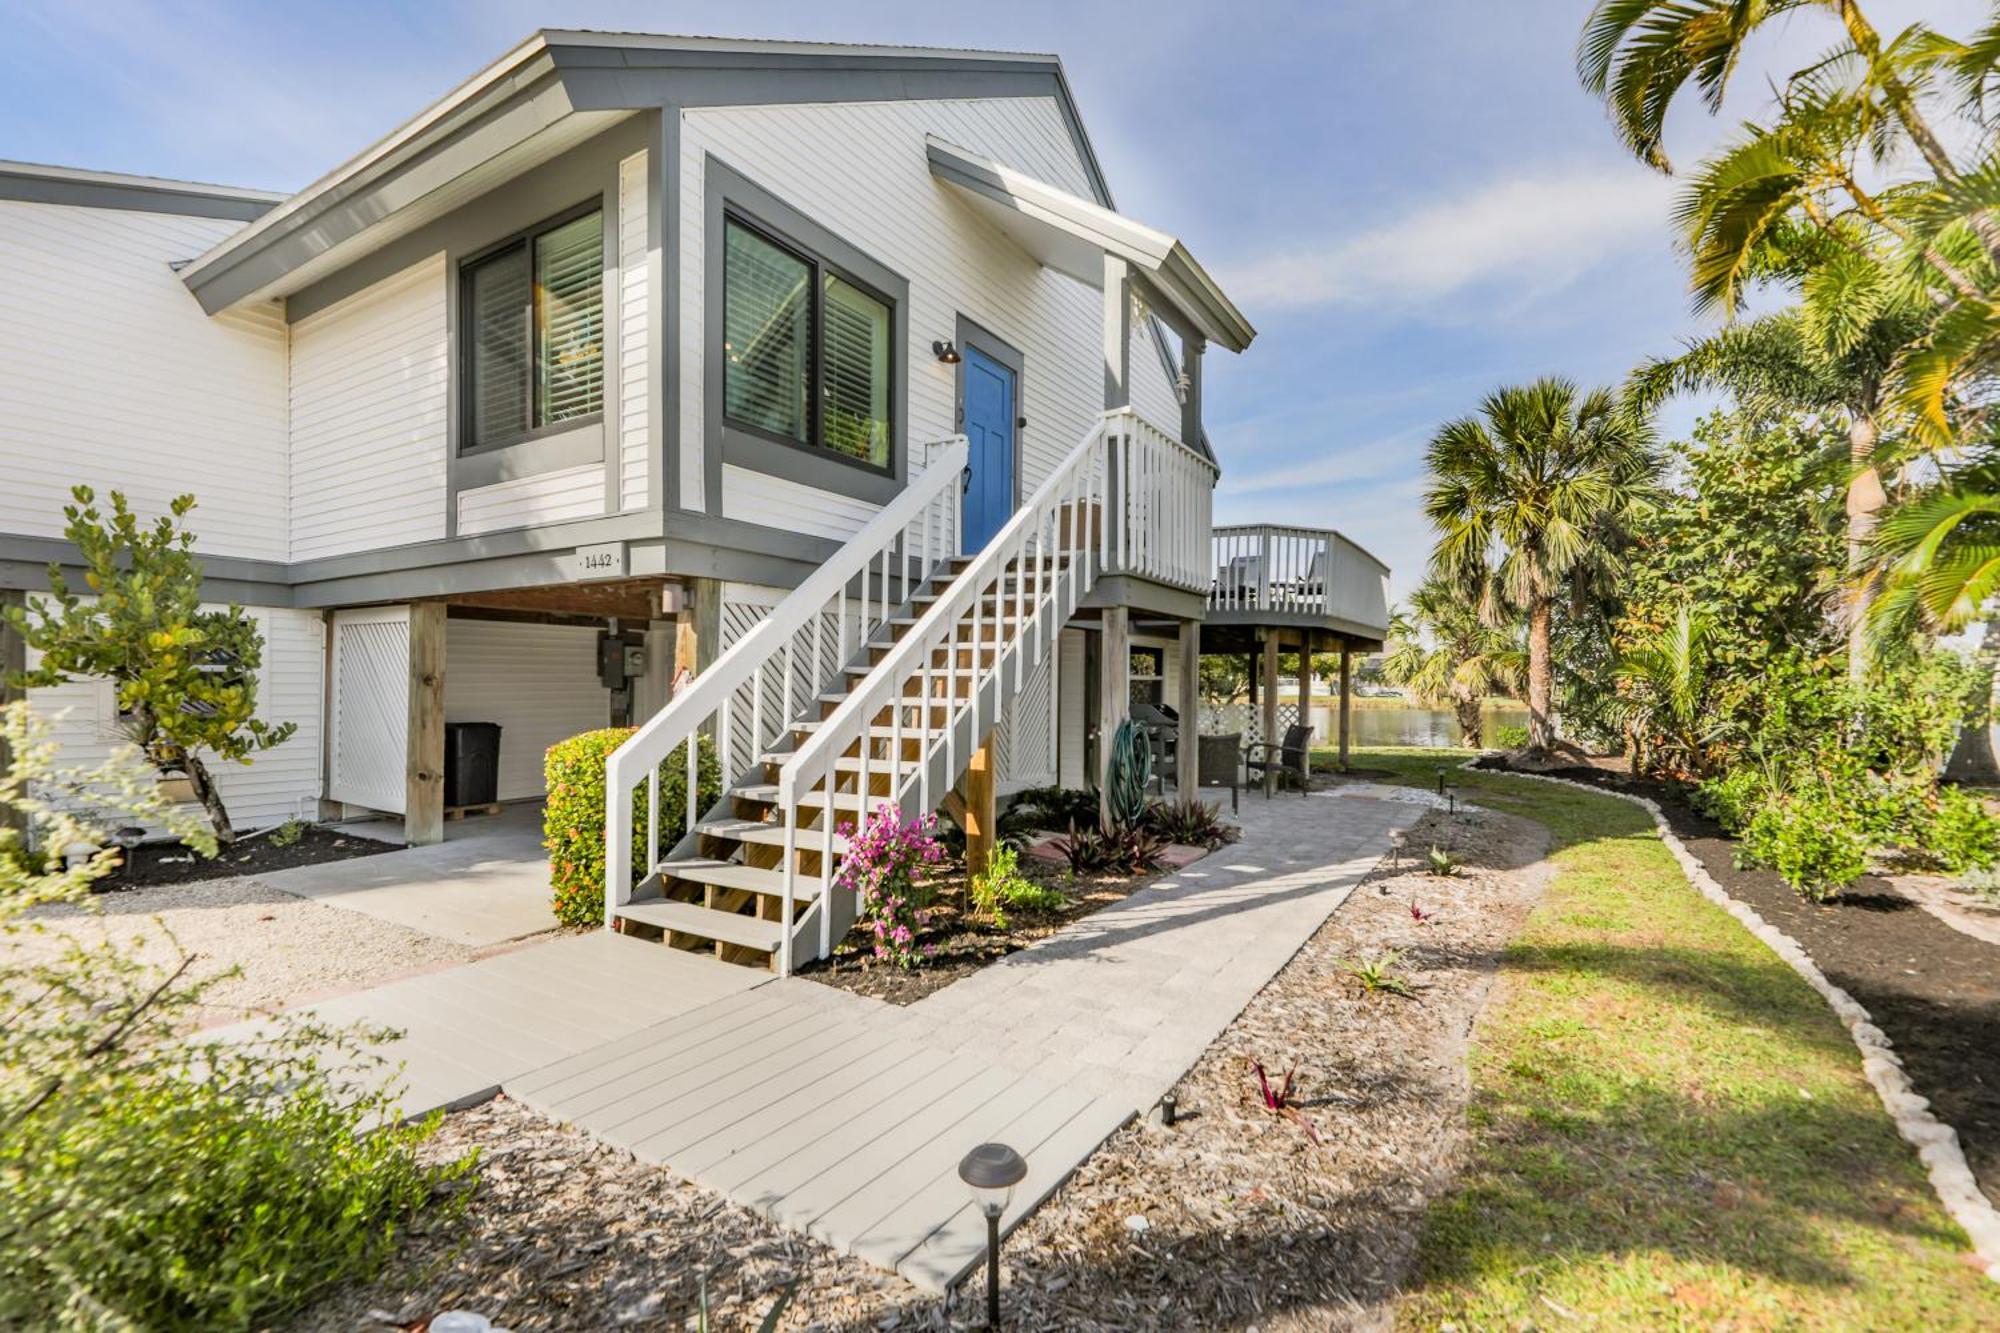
989,430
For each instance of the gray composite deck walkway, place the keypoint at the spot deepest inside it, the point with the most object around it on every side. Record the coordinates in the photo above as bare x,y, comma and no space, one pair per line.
845,1117
468,1030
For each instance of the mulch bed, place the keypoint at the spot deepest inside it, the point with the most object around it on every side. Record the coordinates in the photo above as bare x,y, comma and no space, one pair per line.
171,863
1238,1216
1933,990
962,942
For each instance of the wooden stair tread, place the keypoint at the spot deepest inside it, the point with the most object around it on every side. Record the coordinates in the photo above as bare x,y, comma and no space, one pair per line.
765,834
767,793
734,875
706,923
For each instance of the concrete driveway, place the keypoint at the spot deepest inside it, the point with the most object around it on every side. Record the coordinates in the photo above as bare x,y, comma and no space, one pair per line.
486,884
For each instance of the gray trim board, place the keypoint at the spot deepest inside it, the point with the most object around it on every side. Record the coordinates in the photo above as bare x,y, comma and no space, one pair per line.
29,182
725,190
1142,594
529,458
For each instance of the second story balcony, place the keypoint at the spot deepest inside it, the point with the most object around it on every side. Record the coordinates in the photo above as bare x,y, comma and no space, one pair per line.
1275,577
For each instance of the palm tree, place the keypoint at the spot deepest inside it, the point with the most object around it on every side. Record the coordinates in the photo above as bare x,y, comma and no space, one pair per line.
1835,353
1538,493
1445,654
1664,676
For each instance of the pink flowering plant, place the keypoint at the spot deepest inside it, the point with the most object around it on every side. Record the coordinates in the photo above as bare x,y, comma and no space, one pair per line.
882,868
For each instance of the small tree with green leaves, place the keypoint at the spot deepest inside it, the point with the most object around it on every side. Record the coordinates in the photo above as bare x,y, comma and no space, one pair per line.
185,676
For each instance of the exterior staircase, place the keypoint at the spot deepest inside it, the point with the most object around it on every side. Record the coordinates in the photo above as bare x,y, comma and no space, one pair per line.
874,681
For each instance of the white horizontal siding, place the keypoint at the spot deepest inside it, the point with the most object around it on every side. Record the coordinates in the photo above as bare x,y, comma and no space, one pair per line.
276,785
634,409
548,497
539,682
369,391
860,170
111,375
790,505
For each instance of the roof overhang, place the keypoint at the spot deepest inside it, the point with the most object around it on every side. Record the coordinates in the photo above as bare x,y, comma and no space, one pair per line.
550,93
33,182
1073,235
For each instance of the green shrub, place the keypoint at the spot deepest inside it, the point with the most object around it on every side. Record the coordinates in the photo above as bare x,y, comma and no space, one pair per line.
149,1180
573,820
1962,835
1731,799
1510,738
1814,842
1003,886
1059,807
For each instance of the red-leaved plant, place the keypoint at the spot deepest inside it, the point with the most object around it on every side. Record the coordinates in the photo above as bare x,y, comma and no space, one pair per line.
1279,1099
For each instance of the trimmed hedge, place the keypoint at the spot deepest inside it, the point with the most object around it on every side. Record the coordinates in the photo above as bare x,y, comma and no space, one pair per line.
573,822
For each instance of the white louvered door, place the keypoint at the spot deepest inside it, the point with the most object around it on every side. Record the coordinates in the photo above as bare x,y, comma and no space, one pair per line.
370,707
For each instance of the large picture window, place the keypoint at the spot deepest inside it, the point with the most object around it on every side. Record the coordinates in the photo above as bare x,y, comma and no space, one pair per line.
534,332
807,351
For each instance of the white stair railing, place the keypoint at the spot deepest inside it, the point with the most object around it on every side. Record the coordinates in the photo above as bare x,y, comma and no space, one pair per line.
1012,599
786,658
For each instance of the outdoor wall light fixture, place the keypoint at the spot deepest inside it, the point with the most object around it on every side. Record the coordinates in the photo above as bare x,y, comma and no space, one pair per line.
992,1170
947,351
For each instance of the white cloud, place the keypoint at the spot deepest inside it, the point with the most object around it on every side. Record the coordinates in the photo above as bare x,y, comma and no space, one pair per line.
1529,232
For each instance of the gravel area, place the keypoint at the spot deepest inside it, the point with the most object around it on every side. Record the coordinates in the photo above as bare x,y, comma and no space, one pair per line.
287,949
1236,1217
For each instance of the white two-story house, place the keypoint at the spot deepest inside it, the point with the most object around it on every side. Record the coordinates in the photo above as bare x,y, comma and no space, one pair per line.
791,382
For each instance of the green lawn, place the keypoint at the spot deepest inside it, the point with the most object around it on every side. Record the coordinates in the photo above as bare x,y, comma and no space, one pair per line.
1670,1128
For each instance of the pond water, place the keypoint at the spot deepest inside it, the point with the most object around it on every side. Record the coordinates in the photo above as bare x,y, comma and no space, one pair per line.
1391,722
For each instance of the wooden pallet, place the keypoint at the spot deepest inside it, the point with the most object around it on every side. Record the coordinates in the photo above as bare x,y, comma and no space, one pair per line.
461,811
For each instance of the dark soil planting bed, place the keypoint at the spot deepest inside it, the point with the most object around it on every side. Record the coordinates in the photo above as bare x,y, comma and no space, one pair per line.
171,863
962,942
1933,990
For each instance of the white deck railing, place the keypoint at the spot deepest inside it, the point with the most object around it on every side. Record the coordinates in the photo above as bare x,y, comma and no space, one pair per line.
1165,492
786,659
1300,571
997,619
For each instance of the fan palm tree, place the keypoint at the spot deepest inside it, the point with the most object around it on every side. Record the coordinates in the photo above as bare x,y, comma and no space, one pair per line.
1538,493
1446,655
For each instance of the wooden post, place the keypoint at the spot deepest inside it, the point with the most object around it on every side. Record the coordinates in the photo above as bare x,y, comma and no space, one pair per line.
1114,695
698,627
1346,701
1188,776
13,657
980,813
1305,680
423,791
1270,735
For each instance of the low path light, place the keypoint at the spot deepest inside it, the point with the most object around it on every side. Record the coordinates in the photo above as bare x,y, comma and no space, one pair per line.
992,1170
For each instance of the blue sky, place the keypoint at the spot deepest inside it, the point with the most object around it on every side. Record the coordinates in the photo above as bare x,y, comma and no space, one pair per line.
1414,202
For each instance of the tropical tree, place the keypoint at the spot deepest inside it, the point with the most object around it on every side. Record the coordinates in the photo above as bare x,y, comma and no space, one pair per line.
1533,502
1446,655
185,675
1664,680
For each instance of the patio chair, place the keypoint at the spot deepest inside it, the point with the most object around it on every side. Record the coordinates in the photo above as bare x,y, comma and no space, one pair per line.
1220,764
1289,759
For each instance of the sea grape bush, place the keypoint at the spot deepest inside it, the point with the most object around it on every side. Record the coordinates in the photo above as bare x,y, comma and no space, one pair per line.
883,868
